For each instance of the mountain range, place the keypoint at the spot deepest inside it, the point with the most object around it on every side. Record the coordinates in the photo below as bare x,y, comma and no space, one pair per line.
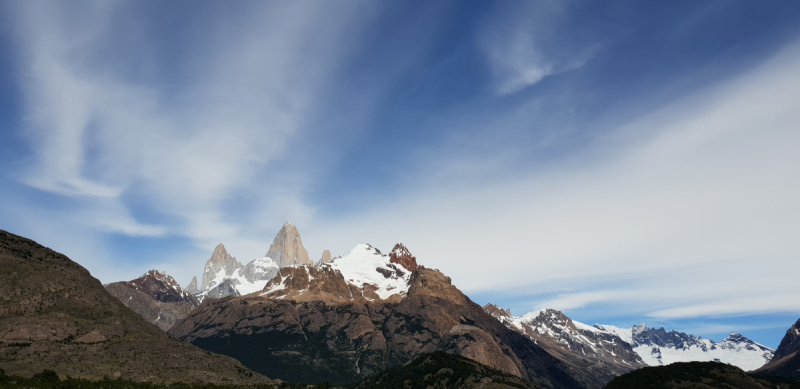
357,316
593,355
340,319
658,347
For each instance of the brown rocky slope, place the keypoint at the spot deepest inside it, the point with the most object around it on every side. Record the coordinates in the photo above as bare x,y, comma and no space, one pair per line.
54,315
341,340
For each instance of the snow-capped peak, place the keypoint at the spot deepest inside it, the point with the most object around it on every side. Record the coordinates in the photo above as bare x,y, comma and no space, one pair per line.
365,265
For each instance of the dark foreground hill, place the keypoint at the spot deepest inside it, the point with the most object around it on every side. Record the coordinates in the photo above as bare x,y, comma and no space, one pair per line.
443,371
54,315
700,375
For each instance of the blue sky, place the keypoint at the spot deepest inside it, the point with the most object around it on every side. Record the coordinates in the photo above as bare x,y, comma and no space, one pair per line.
624,162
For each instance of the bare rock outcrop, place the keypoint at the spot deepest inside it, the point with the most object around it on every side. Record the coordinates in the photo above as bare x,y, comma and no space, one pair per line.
287,248
54,315
401,256
326,257
192,287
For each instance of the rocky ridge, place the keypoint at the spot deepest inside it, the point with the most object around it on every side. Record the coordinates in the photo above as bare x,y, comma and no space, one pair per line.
321,323
593,356
54,315
156,297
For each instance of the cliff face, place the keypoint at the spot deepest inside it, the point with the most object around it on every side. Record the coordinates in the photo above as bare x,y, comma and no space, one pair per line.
345,340
786,360
287,248
55,315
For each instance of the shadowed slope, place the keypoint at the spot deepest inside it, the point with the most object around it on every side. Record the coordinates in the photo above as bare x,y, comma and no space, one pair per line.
786,361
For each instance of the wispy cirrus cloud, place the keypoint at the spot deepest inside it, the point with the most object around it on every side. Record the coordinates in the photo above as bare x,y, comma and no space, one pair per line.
181,149
521,46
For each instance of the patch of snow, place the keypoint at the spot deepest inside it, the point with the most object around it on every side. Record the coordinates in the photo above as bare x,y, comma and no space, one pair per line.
625,334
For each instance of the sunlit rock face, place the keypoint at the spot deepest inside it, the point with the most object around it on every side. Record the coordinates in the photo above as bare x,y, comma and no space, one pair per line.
287,248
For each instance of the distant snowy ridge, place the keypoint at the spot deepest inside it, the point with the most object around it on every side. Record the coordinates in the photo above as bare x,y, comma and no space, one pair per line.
658,347
594,356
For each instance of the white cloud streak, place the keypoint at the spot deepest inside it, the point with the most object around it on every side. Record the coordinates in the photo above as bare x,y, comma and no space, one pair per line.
518,43
185,150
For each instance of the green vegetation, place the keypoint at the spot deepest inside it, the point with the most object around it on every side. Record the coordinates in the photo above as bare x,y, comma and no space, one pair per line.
442,371
697,375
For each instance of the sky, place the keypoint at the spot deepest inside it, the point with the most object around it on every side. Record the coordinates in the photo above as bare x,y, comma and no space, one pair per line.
625,162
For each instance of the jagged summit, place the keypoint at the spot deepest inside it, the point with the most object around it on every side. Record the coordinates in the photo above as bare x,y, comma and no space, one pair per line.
192,288
401,256
220,262
497,312
287,248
